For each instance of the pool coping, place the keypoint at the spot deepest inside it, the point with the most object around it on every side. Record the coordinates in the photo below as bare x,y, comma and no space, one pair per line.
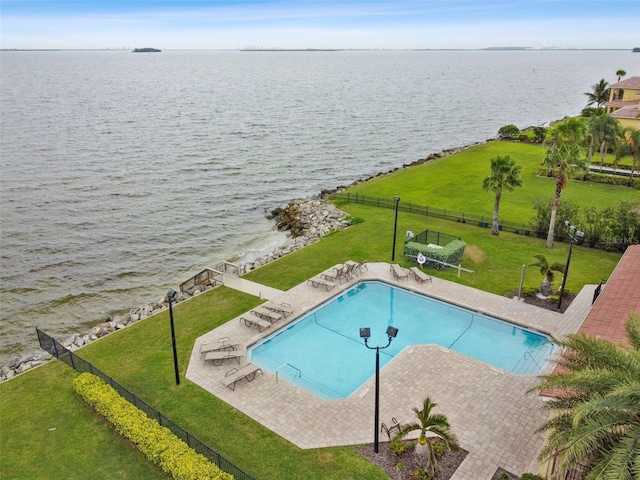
495,420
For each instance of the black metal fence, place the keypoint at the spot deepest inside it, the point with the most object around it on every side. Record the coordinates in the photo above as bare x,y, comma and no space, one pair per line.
432,237
59,351
461,217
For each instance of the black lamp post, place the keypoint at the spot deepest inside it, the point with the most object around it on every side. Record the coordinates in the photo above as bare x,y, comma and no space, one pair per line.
395,229
365,333
171,296
576,237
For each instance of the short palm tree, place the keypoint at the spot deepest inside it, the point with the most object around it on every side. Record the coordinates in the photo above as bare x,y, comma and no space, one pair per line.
505,175
435,424
597,421
600,93
634,149
546,270
620,73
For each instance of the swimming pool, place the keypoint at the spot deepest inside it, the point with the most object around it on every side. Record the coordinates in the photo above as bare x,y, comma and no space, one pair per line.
323,353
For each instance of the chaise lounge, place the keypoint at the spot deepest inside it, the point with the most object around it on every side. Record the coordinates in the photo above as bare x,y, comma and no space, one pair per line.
223,343
419,275
266,314
399,271
218,357
235,375
316,281
255,321
280,307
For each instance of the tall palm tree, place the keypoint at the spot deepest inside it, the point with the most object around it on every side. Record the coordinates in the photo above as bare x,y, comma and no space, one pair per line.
505,175
565,156
435,424
620,73
608,128
597,421
634,149
600,93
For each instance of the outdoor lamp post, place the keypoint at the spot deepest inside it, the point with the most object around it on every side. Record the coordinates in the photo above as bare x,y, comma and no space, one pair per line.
365,333
171,296
395,229
576,237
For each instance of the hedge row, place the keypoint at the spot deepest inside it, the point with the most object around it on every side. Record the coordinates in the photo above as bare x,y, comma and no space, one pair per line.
157,443
451,253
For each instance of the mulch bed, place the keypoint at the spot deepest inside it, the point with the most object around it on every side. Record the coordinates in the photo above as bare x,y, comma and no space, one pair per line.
542,303
449,462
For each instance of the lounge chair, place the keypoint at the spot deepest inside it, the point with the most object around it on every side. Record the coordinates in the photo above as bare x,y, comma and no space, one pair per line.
255,321
419,275
316,281
279,307
235,375
222,344
266,314
335,273
362,266
399,271
218,357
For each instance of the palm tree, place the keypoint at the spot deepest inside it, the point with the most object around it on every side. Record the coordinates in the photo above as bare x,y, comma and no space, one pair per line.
546,270
597,421
634,149
435,424
505,175
600,93
608,128
564,156
620,73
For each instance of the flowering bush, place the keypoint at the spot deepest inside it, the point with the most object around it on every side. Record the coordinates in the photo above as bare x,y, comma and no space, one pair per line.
157,443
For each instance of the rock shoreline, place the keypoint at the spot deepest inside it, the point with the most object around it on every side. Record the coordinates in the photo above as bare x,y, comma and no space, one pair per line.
308,220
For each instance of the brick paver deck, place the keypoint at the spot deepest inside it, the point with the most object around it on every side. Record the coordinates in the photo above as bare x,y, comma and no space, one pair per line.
488,408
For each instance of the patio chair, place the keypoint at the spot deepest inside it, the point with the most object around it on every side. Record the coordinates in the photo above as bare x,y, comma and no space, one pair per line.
335,273
419,275
223,343
362,267
235,375
280,307
255,322
316,281
218,357
399,271
266,314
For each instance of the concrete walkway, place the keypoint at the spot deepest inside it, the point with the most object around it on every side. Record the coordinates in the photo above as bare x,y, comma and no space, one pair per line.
252,288
488,408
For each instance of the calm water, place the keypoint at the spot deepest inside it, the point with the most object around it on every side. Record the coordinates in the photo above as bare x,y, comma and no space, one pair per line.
125,174
324,353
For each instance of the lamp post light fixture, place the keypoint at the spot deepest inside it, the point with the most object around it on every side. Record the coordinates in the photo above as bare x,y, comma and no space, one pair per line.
365,333
171,296
576,237
396,199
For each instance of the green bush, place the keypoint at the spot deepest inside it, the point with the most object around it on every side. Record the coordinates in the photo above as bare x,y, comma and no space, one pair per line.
439,448
530,476
508,131
397,447
157,443
612,180
451,253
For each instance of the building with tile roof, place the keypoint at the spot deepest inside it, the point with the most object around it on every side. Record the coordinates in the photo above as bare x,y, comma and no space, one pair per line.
624,102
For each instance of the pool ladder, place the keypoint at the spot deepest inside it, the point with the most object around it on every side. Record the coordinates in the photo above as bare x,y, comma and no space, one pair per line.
299,374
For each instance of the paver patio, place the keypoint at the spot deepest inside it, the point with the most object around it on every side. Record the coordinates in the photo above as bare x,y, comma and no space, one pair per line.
488,408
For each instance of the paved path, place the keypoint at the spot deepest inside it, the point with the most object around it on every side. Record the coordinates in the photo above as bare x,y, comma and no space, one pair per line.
487,407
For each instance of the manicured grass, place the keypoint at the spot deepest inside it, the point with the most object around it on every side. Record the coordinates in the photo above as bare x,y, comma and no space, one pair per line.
140,357
49,432
455,183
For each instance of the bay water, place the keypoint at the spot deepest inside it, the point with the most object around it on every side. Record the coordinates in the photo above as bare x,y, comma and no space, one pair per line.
124,174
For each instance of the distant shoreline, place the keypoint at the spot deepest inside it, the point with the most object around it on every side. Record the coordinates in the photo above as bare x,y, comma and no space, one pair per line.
485,49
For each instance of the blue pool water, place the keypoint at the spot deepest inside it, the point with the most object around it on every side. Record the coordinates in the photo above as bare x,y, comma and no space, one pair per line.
323,352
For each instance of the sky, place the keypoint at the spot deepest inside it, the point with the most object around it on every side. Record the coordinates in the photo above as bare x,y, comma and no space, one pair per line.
329,24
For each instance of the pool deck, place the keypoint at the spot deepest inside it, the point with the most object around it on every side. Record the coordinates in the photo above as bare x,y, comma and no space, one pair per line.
488,408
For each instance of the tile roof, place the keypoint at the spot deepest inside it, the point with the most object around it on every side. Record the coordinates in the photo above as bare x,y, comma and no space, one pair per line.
619,297
631,82
629,111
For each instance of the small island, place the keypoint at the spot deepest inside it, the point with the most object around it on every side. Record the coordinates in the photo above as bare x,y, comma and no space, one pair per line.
146,50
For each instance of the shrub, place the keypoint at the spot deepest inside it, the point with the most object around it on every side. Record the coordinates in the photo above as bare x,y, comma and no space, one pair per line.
530,476
539,134
157,443
439,448
397,447
451,253
508,131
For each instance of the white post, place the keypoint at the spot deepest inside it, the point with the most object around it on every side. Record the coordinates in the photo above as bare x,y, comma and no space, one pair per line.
521,281
459,267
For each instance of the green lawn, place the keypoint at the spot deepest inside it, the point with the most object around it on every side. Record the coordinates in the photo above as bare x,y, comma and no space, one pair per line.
455,183
140,357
